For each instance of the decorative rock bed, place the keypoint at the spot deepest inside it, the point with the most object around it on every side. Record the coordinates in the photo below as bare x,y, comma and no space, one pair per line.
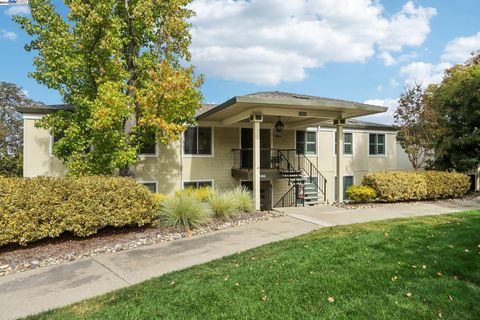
67,248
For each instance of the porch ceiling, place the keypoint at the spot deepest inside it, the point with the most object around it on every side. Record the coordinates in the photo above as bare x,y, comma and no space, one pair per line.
295,110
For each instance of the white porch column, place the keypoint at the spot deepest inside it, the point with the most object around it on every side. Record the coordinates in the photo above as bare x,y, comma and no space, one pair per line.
256,119
339,170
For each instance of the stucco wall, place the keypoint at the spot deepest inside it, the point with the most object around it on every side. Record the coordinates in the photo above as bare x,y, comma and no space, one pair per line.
169,168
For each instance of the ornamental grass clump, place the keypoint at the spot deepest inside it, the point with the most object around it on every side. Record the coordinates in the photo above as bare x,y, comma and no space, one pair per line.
184,210
244,199
224,204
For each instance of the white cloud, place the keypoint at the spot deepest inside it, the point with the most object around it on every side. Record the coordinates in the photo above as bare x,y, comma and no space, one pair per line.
458,50
387,59
409,27
270,41
423,72
393,82
18,10
7,35
386,117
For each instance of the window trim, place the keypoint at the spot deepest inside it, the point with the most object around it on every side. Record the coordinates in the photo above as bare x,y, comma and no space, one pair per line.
149,181
343,177
212,141
316,141
149,155
350,155
383,155
198,180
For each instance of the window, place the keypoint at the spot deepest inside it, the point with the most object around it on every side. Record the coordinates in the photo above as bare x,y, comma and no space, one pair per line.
152,186
198,141
347,143
347,182
197,184
376,144
149,148
306,142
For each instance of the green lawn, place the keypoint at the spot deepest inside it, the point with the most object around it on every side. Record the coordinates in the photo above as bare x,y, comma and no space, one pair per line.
422,268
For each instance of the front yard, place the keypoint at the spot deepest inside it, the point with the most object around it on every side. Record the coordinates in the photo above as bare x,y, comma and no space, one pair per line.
422,268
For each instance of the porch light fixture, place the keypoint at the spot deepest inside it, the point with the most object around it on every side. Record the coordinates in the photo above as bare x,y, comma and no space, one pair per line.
279,126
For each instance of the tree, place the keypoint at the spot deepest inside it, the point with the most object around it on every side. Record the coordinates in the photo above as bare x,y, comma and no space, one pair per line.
417,124
123,64
11,129
457,102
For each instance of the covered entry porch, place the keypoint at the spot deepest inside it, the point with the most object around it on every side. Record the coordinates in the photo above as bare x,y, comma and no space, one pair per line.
280,112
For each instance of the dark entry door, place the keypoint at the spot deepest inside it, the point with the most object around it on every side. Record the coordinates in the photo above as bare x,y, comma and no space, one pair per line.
265,193
247,143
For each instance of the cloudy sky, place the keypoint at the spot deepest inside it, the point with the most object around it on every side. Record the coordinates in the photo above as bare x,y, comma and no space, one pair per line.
360,50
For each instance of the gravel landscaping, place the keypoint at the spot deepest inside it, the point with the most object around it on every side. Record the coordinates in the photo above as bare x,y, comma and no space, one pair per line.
15,258
353,206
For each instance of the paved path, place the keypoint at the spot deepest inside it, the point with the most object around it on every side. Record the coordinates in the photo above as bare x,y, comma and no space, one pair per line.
38,290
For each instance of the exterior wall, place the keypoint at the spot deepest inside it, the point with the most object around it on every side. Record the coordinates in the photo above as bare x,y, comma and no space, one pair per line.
169,168
37,156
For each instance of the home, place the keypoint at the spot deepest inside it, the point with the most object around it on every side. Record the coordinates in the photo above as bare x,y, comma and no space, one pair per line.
289,149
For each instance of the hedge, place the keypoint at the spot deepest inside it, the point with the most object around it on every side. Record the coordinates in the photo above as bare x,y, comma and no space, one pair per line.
35,208
360,193
426,185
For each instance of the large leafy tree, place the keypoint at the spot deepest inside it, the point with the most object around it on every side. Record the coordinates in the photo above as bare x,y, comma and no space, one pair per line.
417,125
457,102
11,128
124,65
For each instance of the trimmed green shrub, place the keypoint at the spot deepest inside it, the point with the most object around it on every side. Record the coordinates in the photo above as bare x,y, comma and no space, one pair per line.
404,186
224,204
244,199
442,184
35,208
361,193
184,210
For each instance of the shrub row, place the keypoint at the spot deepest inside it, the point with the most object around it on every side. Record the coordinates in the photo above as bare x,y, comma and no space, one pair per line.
35,208
192,208
404,186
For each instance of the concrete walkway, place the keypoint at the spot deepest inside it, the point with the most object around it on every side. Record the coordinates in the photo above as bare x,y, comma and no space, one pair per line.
38,290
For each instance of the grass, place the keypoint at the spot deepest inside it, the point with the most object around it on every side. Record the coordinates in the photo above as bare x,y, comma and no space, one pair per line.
368,269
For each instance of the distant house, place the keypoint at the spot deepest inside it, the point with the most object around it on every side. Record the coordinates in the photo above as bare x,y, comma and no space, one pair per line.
280,145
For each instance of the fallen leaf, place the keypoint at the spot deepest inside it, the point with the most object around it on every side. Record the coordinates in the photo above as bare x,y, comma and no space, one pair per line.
439,274
450,246
424,267
394,278
466,250
415,267
450,298
253,258
385,234
455,277
408,294
237,284
265,298
172,283
440,315
331,299
226,278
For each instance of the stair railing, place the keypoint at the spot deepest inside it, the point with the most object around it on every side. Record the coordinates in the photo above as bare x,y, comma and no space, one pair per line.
289,199
314,176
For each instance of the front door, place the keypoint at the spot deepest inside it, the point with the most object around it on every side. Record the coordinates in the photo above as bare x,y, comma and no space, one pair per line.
265,193
246,143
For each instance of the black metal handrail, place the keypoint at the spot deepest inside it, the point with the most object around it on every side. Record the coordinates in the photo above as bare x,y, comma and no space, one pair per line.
289,199
315,176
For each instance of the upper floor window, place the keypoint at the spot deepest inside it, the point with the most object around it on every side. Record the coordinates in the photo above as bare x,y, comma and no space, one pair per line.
306,142
347,143
198,141
376,144
149,148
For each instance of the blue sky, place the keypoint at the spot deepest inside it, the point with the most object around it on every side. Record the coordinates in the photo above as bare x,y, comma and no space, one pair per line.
362,50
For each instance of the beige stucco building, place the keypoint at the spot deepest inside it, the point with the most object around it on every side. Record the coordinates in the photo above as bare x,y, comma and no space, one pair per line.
282,146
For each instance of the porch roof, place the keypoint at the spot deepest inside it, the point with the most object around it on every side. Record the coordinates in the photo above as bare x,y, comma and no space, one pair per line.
294,109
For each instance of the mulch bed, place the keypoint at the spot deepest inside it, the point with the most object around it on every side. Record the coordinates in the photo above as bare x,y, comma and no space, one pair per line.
46,252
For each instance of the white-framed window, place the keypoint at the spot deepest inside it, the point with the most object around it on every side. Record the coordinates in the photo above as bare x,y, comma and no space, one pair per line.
149,149
198,141
347,143
195,184
376,144
306,142
151,185
348,180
